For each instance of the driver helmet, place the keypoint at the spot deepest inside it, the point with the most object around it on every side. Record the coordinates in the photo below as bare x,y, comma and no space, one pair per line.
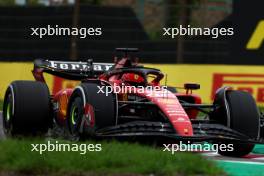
133,79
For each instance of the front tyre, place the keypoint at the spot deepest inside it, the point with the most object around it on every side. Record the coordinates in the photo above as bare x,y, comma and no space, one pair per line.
89,110
244,118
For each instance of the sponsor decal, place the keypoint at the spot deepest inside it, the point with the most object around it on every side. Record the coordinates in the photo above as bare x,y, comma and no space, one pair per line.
166,101
252,83
71,66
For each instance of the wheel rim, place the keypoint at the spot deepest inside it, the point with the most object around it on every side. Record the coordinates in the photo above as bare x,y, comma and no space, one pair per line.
74,115
8,111
8,115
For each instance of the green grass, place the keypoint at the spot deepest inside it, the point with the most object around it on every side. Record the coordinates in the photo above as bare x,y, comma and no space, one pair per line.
115,158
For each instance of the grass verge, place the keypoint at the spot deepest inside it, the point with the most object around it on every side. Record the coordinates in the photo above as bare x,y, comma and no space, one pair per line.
115,158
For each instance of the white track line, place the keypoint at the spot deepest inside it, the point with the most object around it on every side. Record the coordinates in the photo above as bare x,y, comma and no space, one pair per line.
241,162
217,157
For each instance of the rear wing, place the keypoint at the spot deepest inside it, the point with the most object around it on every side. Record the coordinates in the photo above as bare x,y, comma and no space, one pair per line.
69,70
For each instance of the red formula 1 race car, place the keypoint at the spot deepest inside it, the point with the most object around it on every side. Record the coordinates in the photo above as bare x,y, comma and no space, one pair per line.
125,99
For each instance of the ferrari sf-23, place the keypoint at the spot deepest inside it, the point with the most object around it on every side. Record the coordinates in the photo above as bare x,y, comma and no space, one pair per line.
87,111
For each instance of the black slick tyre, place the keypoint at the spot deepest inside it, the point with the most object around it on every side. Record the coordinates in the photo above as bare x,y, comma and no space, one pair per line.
27,109
244,118
100,107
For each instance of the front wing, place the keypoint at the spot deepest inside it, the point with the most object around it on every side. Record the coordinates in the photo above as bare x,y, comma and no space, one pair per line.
158,130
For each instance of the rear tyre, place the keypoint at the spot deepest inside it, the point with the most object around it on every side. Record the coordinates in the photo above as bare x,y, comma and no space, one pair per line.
27,109
90,110
244,118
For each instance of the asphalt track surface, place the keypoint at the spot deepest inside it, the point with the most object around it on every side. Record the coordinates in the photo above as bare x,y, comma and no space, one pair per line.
1,126
250,163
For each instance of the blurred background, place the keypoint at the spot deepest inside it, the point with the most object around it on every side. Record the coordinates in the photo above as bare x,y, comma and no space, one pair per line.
125,23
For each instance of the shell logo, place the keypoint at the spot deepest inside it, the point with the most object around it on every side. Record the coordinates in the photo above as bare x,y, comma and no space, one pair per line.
136,77
63,102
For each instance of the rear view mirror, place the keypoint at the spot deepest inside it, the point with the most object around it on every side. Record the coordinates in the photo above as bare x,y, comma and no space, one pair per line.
191,86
